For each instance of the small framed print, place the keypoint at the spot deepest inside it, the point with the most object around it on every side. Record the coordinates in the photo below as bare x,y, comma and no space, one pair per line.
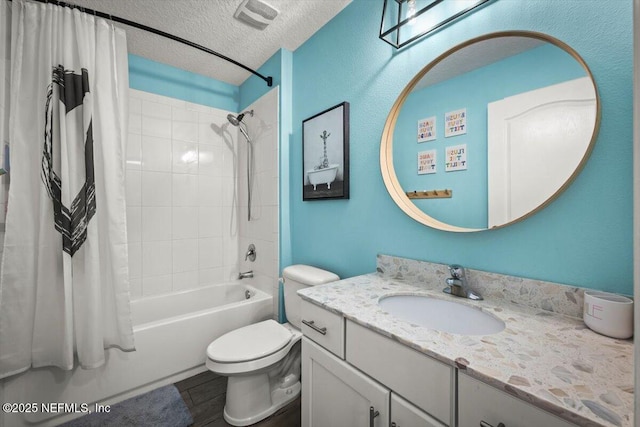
427,162
455,123
427,129
325,154
456,159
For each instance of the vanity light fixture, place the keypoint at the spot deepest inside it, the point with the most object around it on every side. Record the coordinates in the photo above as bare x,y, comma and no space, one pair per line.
404,21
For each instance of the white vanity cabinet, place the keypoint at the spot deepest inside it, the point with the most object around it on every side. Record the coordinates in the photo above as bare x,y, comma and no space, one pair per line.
381,383
336,394
354,376
482,405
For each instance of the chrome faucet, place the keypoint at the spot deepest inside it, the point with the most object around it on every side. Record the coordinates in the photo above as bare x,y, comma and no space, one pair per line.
245,275
458,285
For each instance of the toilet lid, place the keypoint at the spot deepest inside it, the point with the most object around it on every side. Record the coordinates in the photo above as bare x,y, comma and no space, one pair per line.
250,342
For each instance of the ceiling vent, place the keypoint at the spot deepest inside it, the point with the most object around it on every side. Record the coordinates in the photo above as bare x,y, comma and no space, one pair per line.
255,13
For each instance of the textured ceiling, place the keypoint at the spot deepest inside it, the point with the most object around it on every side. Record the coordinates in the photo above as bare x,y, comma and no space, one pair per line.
210,23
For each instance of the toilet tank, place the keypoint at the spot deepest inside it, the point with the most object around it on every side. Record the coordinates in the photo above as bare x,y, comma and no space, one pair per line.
298,277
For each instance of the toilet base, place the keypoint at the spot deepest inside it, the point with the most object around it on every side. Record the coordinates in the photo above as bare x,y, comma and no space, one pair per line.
243,409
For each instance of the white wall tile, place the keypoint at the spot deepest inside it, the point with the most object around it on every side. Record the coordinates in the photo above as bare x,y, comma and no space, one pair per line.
210,276
134,224
185,280
184,115
135,260
134,151
209,190
156,188
153,126
135,104
156,154
210,221
209,160
185,190
185,131
157,285
156,223
186,223
133,187
185,255
135,123
157,258
156,110
185,157
185,183
210,252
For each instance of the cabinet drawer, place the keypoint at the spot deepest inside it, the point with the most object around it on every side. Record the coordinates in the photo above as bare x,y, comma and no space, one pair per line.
479,402
404,414
423,381
323,327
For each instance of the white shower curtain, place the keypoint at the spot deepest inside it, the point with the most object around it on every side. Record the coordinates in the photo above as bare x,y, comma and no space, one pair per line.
64,288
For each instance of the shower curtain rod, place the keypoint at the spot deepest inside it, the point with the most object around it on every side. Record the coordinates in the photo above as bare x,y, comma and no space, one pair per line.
267,79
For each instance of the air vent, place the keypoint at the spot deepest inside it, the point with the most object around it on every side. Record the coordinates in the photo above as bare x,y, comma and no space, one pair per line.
255,13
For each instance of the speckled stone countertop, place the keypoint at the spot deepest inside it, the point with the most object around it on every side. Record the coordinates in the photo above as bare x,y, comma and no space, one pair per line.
545,358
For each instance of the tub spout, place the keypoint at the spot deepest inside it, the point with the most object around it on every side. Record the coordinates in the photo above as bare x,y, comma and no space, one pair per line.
245,275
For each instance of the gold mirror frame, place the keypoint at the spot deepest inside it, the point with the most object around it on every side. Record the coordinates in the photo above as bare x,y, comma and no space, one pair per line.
389,177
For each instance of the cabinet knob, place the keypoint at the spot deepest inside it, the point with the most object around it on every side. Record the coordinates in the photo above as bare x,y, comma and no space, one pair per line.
312,325
486,424
372,415
393,424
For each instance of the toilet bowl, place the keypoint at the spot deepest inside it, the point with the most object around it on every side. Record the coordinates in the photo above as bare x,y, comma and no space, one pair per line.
262,360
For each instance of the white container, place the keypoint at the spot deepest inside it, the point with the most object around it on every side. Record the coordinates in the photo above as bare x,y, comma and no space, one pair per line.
608,314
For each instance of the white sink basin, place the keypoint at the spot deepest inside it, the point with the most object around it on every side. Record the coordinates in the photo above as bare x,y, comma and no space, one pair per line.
446,316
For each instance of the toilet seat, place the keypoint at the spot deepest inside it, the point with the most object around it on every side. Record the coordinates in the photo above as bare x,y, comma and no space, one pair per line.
249,343
251,348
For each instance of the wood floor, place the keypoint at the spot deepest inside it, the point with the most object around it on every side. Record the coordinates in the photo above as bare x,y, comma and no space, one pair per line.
205,395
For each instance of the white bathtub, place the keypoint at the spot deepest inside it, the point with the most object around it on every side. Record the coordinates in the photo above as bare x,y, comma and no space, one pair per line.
172,333
323,176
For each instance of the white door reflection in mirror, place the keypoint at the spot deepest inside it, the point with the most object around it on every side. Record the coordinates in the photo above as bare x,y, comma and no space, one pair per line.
536,140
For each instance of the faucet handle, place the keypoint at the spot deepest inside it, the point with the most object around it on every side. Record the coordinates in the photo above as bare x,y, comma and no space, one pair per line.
457,271
251,253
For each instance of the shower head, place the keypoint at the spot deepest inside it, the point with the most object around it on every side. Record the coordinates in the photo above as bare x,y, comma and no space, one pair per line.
235,120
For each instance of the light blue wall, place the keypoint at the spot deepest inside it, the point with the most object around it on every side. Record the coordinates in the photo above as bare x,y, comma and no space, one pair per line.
583,238
536,68
163,79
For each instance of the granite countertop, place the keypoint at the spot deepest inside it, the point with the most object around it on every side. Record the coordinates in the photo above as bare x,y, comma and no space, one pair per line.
548,359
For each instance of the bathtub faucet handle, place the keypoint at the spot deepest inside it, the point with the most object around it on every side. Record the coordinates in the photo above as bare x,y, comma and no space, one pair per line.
251,253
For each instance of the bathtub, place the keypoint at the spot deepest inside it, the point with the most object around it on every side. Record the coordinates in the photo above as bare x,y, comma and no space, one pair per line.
323,176
172,333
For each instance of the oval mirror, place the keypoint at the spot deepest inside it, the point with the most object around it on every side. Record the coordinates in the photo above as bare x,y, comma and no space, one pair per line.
490,132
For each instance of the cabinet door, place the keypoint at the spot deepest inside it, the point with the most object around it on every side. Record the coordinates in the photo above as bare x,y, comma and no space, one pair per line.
335,394
404,414
479,402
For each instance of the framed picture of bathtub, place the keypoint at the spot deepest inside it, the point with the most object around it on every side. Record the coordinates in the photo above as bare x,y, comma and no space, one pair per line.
325,154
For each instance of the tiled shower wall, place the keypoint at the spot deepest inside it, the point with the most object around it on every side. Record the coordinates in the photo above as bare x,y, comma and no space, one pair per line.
262,230
181,192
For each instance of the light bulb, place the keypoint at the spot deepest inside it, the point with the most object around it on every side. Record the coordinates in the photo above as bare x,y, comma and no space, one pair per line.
411,11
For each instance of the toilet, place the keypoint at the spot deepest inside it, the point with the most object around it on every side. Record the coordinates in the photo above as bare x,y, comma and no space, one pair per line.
262,360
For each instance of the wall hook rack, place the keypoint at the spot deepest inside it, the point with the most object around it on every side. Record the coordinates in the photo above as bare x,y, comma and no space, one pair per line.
430,194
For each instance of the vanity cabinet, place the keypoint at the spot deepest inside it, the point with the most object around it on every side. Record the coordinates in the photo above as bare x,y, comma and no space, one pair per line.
479,402
381,383
336,394
354,376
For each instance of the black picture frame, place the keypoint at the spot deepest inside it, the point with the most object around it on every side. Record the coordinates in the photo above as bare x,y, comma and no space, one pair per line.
325,154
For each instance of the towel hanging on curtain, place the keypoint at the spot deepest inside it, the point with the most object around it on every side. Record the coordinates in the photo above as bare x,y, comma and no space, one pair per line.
64,287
